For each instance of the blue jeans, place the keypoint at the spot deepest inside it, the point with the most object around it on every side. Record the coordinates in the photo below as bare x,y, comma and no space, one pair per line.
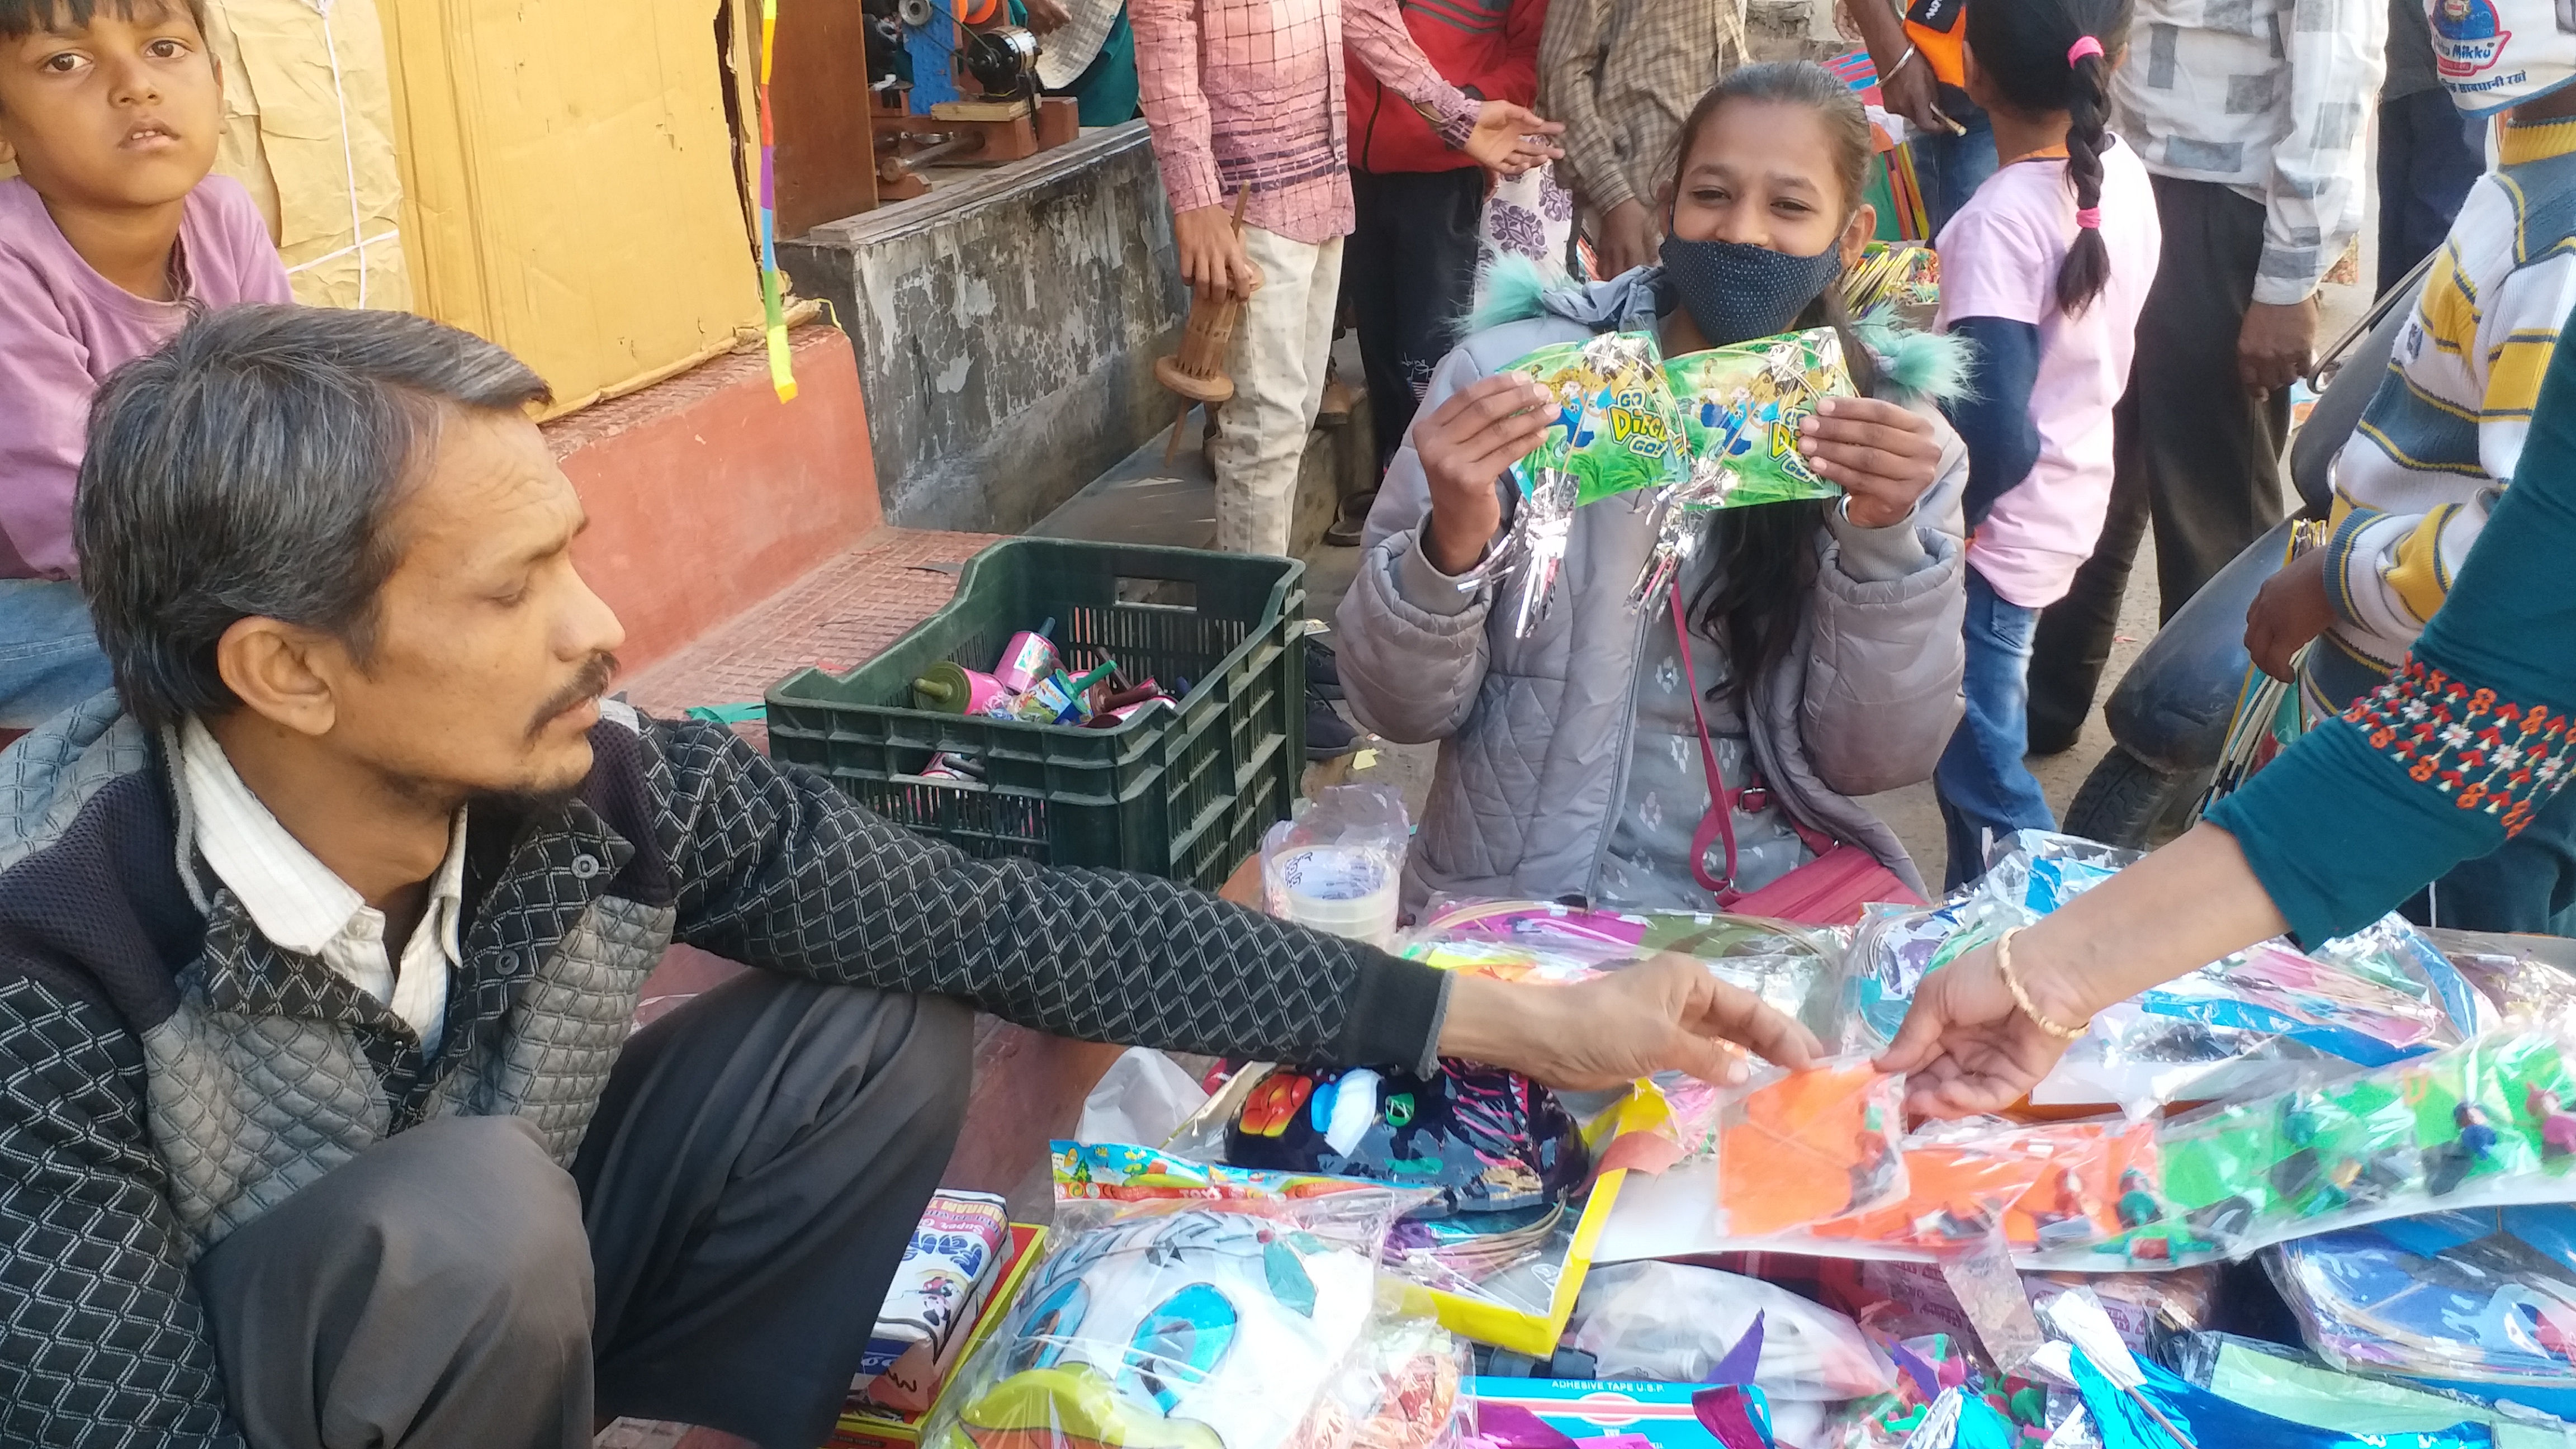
49,659
1985,790
1951,168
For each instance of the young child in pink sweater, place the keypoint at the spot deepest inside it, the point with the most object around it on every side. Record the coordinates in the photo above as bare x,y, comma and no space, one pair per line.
111,236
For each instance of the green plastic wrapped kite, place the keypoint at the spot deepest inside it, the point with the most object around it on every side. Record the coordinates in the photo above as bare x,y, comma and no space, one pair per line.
1741,407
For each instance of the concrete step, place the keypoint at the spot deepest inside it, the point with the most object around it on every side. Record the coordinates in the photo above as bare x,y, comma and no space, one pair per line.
1144,500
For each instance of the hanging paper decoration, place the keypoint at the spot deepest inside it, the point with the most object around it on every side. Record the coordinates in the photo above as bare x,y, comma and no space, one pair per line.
773,288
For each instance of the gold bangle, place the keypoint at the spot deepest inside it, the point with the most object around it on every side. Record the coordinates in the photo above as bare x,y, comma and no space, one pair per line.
2021,997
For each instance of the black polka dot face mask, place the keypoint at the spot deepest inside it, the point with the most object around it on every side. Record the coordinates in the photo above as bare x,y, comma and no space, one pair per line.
1735,291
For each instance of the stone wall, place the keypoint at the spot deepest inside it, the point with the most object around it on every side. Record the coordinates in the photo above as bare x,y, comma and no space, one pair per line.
1006,327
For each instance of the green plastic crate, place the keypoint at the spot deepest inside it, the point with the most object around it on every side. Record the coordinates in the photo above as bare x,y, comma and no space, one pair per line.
1181,793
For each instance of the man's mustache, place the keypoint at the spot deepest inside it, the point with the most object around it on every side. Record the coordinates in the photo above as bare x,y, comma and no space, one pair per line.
591,683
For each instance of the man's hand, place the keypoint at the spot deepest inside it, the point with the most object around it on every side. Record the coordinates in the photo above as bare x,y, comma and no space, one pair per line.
2276,345
1666,1013
1047,16
1212,257
1628,238
1884,456
1510,139
1967,1045
2292,609
1915,95
1465,444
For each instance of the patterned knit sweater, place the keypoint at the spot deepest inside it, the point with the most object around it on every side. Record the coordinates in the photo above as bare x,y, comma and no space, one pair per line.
167,1074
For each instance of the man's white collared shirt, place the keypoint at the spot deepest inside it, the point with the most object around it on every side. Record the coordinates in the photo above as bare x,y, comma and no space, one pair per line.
298,903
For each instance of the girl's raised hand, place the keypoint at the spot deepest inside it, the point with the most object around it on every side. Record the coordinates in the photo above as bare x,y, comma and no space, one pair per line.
1884,456
1466,444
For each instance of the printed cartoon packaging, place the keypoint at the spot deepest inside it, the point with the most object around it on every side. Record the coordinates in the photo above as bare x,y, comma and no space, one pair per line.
1617,430
1194,1308
1741,407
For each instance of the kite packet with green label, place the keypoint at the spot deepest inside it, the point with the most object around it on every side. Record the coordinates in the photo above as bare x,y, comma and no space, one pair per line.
1741,407
1617,430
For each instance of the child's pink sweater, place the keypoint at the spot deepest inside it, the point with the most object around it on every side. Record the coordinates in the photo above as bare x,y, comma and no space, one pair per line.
64,328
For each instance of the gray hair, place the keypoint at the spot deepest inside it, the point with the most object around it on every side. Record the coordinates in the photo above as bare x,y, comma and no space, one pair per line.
251,469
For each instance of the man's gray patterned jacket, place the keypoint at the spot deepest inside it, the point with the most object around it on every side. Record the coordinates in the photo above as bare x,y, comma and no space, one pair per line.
167,1074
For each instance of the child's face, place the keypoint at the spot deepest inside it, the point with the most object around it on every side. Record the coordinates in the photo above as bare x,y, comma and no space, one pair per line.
121,112
1763,173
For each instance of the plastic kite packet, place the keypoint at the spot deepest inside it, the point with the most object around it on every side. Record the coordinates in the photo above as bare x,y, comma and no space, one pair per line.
2250,1024
1483,1139
1795,969
1171,1319
1617,430
1405,1388
2052,1189
1802,1147
2482,1124
1678,1322
2483,1298
1740,409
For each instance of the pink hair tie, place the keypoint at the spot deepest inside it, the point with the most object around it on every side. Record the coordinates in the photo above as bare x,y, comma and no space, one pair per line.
2090,218
2084,46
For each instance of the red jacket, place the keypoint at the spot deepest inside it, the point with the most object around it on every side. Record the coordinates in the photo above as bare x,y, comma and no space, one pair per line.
1488,48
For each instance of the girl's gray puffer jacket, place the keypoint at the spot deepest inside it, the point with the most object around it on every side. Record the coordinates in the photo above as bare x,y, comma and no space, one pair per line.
1535,733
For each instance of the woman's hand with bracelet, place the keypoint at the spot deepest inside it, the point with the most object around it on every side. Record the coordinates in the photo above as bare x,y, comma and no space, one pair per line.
1971,1043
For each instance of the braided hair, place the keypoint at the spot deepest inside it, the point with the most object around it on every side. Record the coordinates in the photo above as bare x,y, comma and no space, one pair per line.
2033,54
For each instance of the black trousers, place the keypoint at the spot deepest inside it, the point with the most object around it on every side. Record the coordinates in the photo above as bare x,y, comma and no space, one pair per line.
2429,157
1409,279
716,1256
2194,450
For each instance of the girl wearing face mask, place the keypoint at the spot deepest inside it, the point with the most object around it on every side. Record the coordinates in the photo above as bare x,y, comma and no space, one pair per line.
1823,639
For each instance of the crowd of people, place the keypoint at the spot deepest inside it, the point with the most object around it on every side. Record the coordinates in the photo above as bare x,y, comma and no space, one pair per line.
330,869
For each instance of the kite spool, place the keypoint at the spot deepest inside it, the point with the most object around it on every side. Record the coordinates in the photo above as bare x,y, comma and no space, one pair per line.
1197,371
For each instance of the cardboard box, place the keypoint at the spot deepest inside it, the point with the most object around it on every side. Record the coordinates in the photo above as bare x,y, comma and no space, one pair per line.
568,183
870,1425
909,1379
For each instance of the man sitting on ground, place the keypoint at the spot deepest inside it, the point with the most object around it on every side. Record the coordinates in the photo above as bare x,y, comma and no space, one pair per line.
319,941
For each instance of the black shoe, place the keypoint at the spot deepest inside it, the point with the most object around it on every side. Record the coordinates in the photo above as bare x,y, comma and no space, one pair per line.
1350,524
1323,671
1328,735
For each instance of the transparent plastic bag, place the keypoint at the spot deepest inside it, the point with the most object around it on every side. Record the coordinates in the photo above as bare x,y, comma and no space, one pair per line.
2479,1124
1673,1321
1181,1308
1617,430
2480,1297
1339,867
1507,1257
1405,1387
2252,1023
2053,1188
1795,969
1798,1148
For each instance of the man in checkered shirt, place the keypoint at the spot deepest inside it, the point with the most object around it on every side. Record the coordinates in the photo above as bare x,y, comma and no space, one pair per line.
2251,116
321,938
1245,97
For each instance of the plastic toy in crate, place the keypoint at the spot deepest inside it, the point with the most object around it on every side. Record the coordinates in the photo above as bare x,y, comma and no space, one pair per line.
1183,792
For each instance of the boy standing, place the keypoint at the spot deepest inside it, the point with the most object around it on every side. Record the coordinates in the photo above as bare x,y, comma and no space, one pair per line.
1623,74
111,236
1419,204
1249,93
